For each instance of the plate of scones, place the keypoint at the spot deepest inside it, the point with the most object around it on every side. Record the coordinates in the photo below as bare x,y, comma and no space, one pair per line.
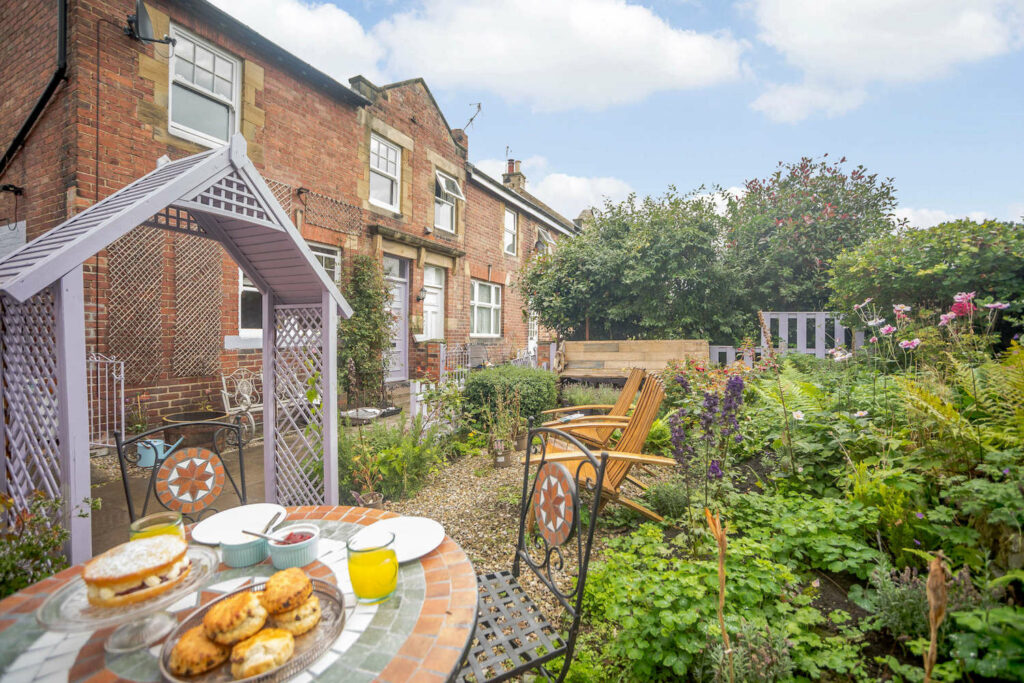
269,631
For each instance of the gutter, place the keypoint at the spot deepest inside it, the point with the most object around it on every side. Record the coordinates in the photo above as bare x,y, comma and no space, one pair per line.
483,179
59,75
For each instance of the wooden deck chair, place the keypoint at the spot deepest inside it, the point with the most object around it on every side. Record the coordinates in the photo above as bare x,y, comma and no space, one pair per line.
599,436
628,451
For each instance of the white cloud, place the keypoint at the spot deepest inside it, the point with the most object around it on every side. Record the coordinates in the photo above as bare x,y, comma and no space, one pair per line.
555,56
567,194
792,103
842,46
320,33
926,218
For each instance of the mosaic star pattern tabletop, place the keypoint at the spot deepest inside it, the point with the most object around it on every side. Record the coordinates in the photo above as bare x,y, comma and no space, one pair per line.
419,634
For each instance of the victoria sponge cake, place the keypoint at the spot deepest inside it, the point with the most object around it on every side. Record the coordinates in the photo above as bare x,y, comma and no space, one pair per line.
136,571
286,590
268,649
234,618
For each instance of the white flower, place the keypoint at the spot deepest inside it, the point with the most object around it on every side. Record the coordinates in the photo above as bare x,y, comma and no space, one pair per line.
861,413
798,414
876,322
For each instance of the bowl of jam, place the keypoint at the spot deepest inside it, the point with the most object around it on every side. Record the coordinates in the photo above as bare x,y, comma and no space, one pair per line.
294,546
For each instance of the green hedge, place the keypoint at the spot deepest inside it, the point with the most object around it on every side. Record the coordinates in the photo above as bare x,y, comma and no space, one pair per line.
927,267
537,389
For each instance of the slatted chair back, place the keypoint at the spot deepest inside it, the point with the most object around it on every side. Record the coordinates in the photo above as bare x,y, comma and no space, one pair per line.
634,435
188,480
513,636
620,407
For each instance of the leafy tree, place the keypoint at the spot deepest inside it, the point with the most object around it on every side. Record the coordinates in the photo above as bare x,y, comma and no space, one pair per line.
784,231
364,338
925,268
641,269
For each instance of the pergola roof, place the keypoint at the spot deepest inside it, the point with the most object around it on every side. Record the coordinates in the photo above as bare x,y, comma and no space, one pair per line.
217,194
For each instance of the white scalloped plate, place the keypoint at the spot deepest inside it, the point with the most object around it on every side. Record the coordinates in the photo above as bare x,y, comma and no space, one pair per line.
414,536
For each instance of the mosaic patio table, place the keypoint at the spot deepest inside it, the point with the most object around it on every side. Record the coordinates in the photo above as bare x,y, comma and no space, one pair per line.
419,634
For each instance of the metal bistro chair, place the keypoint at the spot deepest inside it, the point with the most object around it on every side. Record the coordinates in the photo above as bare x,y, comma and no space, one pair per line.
241,395
512,636
190,479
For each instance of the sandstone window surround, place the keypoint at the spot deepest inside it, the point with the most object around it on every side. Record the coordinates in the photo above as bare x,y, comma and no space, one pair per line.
385,173
205,90
511,231
485,309
446,193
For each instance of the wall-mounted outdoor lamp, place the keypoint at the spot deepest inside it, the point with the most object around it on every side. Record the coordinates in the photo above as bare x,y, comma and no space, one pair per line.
422,294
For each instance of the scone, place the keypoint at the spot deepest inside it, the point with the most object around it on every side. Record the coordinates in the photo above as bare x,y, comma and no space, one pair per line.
299,620
286,590
194,653
266,650
235,618
136,571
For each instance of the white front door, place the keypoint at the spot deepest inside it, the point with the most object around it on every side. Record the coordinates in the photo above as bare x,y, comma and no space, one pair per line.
532,332
396,271
433,302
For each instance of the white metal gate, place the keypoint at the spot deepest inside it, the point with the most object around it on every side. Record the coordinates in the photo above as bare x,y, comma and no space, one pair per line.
105,377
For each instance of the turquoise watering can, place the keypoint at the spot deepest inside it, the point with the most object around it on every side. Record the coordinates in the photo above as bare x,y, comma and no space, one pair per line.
152,451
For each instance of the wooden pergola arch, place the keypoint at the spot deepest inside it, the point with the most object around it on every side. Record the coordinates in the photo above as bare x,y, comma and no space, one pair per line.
218,195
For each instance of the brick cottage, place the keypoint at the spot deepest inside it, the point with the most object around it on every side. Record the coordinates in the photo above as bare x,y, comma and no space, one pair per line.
361,169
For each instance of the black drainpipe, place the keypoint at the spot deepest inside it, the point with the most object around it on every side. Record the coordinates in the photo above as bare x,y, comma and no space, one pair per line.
59,74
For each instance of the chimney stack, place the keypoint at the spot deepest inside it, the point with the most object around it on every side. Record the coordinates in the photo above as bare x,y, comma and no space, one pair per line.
513,177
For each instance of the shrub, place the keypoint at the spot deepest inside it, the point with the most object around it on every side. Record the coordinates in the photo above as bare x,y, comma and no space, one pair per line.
927,267
364,337
33,543
391,460
669,498
536,388
588,394
659,439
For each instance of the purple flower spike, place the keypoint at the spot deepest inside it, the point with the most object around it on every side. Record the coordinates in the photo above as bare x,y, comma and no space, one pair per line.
920,515
917,542
714,471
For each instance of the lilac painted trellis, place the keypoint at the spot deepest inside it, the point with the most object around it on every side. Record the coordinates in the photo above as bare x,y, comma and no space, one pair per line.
218,195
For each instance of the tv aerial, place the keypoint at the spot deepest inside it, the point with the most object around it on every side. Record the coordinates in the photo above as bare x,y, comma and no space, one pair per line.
141,28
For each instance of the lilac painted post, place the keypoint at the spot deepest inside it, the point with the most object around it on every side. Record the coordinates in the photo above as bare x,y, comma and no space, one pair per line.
801,333
329,392
819,334
269,401
73,424
783,333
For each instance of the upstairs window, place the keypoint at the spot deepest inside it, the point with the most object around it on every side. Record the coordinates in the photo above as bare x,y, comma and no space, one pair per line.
545,243
511,231
385,173
446,191
205,91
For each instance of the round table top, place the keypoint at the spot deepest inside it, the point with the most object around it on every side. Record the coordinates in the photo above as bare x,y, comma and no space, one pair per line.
419,634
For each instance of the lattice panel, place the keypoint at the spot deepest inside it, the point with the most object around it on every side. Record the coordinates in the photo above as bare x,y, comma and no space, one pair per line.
197,297
232,194
135,272
298,368
333,214
282,193
29,355
176,219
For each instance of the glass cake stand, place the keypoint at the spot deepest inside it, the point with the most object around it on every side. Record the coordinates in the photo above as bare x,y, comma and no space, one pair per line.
139,625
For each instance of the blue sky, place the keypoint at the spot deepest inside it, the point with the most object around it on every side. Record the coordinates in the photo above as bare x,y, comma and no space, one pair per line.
603,97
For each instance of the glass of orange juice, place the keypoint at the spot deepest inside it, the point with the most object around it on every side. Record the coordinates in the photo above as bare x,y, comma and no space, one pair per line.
372,566
157,524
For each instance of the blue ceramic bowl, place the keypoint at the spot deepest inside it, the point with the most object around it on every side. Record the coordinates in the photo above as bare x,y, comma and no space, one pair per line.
244,554
295,554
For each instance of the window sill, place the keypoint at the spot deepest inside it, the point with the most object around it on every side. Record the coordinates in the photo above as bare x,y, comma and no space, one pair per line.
393,211
485,336
243,342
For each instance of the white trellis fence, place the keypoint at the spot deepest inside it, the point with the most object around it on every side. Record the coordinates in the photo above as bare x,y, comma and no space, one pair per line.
105,378
810,332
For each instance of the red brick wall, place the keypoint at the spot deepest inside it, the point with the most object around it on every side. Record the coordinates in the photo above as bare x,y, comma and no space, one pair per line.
44,166
296,135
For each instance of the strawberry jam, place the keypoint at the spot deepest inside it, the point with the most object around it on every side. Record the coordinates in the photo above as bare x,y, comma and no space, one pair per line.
295,537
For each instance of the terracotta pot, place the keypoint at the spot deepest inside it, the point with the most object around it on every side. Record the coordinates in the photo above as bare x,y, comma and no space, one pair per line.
373,500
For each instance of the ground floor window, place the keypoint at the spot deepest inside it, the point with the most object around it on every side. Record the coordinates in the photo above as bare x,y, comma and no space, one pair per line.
485,309
250,307
329,258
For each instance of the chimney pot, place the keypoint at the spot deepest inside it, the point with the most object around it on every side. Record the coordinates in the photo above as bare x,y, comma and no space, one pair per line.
517,166
511,166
